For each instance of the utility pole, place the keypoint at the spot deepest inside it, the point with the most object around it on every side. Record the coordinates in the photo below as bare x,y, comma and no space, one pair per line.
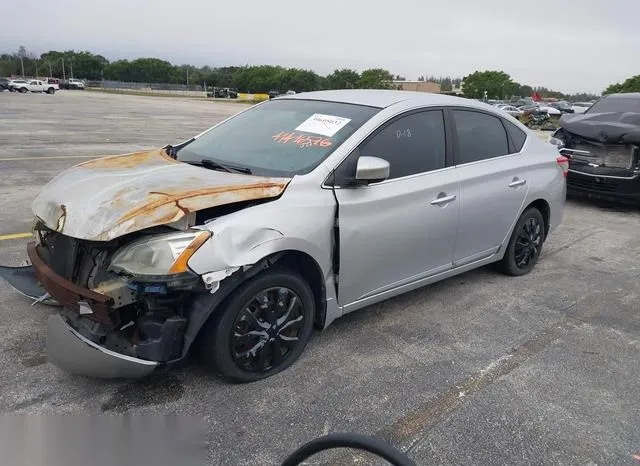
64,76
50,72
36,69
22,65
71,65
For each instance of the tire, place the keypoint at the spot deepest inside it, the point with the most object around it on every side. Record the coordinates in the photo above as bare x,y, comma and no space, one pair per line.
232,358
23,90
51,90
525,244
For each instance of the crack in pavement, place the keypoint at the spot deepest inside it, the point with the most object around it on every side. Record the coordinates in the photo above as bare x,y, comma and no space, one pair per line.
409,431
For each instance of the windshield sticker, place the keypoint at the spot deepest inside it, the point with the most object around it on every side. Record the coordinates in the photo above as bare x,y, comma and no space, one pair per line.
327,125
302,140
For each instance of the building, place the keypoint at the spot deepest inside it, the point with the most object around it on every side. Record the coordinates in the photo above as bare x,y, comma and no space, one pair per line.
417,86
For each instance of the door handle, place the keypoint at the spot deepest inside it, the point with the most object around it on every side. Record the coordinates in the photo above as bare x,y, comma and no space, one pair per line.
516,182
443,200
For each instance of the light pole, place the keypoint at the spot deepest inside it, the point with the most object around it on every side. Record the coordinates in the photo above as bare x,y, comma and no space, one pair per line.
22,65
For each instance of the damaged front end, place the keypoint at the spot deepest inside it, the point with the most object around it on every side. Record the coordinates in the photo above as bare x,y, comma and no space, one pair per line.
112,241
603,153
114,323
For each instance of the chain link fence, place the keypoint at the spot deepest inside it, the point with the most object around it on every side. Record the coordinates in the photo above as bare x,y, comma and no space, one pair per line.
199,90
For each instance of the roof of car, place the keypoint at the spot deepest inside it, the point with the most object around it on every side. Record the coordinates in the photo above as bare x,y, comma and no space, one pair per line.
384,98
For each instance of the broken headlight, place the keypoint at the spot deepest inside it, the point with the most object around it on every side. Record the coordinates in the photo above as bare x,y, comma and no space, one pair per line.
159,255
555,140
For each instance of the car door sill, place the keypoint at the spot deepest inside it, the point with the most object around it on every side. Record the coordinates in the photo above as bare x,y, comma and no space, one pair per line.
476,257
418,283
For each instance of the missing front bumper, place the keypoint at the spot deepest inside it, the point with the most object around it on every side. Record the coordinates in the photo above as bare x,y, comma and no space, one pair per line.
72,352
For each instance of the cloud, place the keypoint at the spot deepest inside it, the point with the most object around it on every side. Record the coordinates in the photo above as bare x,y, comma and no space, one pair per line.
569,45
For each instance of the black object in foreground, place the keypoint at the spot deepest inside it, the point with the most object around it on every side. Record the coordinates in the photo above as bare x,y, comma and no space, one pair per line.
348,440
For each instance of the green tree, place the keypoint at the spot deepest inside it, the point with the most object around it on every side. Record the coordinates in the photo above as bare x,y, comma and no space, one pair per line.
497,84
343,79
376,78
629,85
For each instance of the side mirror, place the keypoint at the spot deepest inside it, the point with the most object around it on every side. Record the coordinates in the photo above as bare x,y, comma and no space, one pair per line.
371,170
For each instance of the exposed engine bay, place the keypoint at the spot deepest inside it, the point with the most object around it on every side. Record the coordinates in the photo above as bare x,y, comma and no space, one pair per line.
141,319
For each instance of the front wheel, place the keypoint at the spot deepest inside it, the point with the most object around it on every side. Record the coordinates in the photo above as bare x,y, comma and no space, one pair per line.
51,90
261,329
525,244
23,90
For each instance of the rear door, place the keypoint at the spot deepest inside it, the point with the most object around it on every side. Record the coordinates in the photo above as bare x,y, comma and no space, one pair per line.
401,229
493,182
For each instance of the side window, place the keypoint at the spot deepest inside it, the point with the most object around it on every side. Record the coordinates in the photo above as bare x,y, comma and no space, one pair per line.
518,137
480,136
411,144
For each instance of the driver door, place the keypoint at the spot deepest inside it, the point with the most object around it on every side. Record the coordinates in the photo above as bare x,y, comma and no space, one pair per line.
395,232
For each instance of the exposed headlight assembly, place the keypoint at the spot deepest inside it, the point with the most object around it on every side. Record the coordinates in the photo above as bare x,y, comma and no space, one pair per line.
158,256
559,143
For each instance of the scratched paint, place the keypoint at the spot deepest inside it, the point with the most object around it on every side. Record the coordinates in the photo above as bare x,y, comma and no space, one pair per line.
109,197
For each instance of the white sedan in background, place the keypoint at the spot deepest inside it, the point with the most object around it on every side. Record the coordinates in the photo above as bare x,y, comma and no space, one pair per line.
552,111
581,107
511,110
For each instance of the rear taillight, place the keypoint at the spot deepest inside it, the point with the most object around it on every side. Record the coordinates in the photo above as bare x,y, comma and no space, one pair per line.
563,163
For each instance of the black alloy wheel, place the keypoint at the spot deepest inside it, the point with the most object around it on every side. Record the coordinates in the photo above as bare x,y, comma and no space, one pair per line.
267,329
261,328
528,243
525,244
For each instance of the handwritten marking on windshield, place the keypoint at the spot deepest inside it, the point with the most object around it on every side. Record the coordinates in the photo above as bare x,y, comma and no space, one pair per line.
302,140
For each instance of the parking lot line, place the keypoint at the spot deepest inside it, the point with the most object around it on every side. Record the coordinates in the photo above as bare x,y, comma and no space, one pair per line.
14,236
7,159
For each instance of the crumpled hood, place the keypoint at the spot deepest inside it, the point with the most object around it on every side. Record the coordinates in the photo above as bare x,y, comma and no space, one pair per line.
611,127
108,197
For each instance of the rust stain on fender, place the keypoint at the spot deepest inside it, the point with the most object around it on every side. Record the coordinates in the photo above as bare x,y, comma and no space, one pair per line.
121,194
130,160
181,203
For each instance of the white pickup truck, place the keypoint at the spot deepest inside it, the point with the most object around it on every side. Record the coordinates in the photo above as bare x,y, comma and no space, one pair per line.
34,85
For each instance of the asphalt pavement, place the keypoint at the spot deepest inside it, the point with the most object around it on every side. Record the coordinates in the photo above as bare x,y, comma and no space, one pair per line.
478,369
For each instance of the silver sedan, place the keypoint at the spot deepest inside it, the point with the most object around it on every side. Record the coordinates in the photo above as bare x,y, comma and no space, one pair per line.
240,241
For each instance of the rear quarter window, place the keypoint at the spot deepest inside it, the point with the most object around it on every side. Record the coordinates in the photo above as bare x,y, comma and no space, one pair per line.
518,137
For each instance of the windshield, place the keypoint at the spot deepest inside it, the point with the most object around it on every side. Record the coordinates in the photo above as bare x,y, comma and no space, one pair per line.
279,137
616,104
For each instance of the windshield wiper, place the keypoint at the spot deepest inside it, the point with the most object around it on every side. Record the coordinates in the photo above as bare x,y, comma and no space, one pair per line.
208,163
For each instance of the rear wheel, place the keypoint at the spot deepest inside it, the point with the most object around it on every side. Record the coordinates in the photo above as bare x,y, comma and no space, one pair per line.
525,244
261,329
51,90
23,89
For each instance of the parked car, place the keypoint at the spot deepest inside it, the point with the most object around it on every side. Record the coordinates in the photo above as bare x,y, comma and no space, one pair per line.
72,83
4,84
511,110
581,107
273,93
551,110
603,147
33,85
224,93
282,218
563,106
14,84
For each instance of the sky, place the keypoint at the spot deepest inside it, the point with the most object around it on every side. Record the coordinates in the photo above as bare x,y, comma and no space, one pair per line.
566,45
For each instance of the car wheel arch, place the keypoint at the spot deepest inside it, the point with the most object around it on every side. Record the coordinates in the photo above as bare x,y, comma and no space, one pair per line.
302,263
545,209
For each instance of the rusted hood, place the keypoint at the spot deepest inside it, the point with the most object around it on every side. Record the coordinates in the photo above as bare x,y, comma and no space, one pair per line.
108,197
